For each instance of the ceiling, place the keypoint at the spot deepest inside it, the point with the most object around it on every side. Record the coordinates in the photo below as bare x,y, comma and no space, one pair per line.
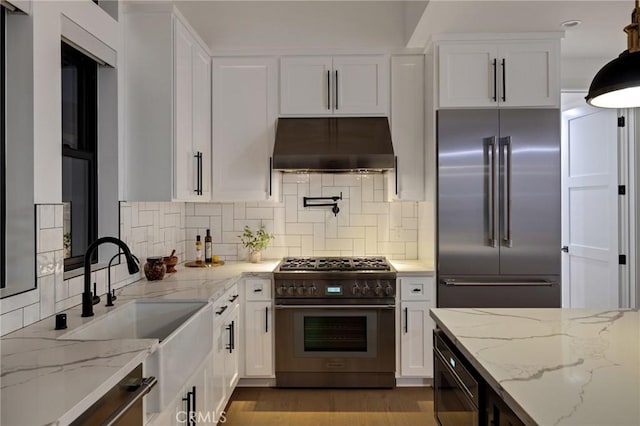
395,24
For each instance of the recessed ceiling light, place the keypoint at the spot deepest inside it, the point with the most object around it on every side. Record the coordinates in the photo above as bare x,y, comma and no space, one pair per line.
570,24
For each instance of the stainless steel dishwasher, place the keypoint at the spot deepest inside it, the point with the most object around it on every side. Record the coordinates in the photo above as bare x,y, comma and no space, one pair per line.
122,404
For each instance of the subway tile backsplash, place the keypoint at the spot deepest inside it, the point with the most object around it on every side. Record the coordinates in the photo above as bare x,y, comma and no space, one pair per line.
365,225
149,229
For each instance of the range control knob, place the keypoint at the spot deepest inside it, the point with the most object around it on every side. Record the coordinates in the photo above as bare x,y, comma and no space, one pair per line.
378,290
281,290
355,290
365,289
290,290
301,290
388,290
312,290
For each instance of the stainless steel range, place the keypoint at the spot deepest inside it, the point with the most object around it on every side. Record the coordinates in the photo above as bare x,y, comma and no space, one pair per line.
335,322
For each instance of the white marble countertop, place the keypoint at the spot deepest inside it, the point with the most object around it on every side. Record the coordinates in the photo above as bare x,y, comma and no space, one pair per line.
48,381
555,366
413,267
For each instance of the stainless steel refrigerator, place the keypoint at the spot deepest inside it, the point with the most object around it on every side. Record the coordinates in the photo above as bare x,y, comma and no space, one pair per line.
498,232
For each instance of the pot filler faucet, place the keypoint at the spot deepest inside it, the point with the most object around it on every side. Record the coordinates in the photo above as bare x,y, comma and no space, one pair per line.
87,299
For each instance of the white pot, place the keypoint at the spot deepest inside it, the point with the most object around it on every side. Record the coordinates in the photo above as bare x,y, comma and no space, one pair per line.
254,257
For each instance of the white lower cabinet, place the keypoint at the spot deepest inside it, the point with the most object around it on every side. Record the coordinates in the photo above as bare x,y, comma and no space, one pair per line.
258,329
225,370
416,327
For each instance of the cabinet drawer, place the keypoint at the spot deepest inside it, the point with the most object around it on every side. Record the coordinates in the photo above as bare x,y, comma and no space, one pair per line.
258,289
416,288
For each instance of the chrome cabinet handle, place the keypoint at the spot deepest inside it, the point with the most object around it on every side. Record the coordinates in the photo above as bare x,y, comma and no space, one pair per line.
506,147
142,390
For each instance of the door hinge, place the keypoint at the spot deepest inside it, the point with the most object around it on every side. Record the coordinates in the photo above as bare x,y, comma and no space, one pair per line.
622,259
622,190
621,121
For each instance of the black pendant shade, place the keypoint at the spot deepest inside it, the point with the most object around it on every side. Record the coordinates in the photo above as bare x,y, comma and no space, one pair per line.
621,74
617,84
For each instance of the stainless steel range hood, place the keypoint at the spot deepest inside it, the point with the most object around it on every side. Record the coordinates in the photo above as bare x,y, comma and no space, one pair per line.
333,144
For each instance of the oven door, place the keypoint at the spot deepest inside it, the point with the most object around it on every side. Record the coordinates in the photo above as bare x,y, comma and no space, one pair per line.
340,338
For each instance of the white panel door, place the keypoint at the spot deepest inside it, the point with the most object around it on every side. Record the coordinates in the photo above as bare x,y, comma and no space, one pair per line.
416,354
407,125
361,84
467,75
590,208
231,361
305,85
258,327
529,75
244,119
185,173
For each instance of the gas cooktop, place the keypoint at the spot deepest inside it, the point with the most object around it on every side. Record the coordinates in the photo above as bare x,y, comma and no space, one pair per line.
340,264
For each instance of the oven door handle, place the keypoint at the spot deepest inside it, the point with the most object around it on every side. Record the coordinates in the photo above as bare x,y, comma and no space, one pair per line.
334,307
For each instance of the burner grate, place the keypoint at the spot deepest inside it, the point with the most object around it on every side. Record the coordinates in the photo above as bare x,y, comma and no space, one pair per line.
335,264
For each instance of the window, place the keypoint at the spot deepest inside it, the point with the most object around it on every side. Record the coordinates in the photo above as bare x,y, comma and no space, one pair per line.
79,155
3,192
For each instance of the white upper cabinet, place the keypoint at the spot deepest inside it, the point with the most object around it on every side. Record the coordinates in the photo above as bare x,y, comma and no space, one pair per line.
244,120
407,126
334,85
504,73
167,117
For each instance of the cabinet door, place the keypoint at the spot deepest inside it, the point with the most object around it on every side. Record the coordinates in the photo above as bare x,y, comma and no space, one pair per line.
244,119
416,354
202,118
184,167
231,361
530,74
361,84
220,340
467,76
407,125
258,327
306,85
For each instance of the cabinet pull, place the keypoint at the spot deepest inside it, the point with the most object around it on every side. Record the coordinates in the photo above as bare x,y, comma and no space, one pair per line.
233,299
406,320
266,319
395,166
270,176
336,90
198,157
416,290
257,290
224,308
328,90
193,404
229,328
188,400
233,335
504,80
495,80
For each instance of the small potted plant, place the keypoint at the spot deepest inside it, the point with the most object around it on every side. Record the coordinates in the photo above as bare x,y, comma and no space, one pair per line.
255,242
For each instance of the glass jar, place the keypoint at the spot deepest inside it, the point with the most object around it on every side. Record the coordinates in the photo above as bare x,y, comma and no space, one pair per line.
155,268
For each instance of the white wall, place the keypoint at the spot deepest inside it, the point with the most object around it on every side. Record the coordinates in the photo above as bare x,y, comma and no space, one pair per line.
255,25
47,84
576,73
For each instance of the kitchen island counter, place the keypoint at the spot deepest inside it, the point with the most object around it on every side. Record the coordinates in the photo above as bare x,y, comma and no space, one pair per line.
554,366
49,381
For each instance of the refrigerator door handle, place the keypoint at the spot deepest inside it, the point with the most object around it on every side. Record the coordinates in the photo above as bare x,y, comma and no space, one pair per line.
505,144
491,208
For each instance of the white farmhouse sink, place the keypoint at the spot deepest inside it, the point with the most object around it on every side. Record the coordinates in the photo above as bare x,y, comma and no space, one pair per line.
184,329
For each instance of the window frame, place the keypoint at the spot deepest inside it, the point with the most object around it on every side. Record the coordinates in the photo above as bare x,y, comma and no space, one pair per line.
87,148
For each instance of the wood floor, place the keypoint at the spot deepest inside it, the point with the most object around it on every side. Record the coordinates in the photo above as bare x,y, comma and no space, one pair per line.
330,407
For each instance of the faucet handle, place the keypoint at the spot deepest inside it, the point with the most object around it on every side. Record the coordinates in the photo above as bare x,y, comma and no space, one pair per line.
95,299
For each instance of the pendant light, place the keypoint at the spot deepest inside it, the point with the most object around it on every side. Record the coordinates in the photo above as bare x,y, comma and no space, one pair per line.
617,84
